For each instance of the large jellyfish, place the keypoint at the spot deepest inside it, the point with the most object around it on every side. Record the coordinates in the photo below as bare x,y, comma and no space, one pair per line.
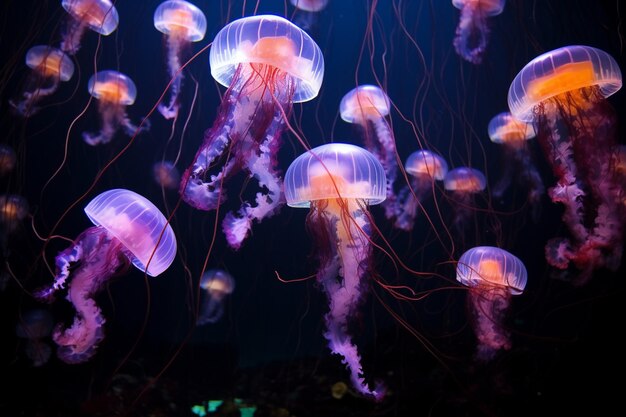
128,228
564,92
267,63
166,175
338,182
472,33
182,23
35,326
367,106
217,284
463,182
114,91
424,168
513,134
98,15
8,159
493,275
49,67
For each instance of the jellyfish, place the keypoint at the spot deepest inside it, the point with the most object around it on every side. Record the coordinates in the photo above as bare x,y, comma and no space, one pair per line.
49,67
114,91
7,159
217,284
464,182
267,63
128,228
338,182
564,93
166,175
35,326
472,32
182,23
513,134
367,106
424,167
98,15
13,209
493,275
306,17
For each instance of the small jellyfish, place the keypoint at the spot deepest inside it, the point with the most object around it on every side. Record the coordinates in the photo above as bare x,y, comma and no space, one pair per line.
513,134
98,15
267,63
128,228
49,67
217,284
13,209
114,91
338,182
182,23
564,93
166,175
306,18
309,5
35,326
472,33
367,106
464,182
7,159
493,275
424,167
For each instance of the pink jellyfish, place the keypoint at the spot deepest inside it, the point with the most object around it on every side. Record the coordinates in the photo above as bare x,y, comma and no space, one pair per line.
182,23
506,130
217,284
35,326
424,168
166,175
367,106
306,17
267,63
493,275
472,32
98,15
338,182
564,92
464,182
128,228
309,5
114,91
7,159
49,67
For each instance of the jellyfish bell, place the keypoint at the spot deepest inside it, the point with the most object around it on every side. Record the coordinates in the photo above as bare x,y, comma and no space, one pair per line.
310,5
338,182
363,103
267,63
166,175
98,15
493,275
464,183
217,284
113,91
506,129
181,22
472,32
128,228
564,93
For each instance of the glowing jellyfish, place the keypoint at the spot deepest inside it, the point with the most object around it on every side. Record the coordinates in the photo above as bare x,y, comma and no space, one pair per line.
35,326
309,5
217,284
49,67
464,182
13,209
182,23
367,106
472,33
267,63
128,228
97,15
114,91
564,92
424,168
7,159
493,275
166,175
338,182
306,17
513,134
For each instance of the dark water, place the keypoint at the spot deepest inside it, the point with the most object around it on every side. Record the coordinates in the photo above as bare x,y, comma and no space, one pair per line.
268,348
